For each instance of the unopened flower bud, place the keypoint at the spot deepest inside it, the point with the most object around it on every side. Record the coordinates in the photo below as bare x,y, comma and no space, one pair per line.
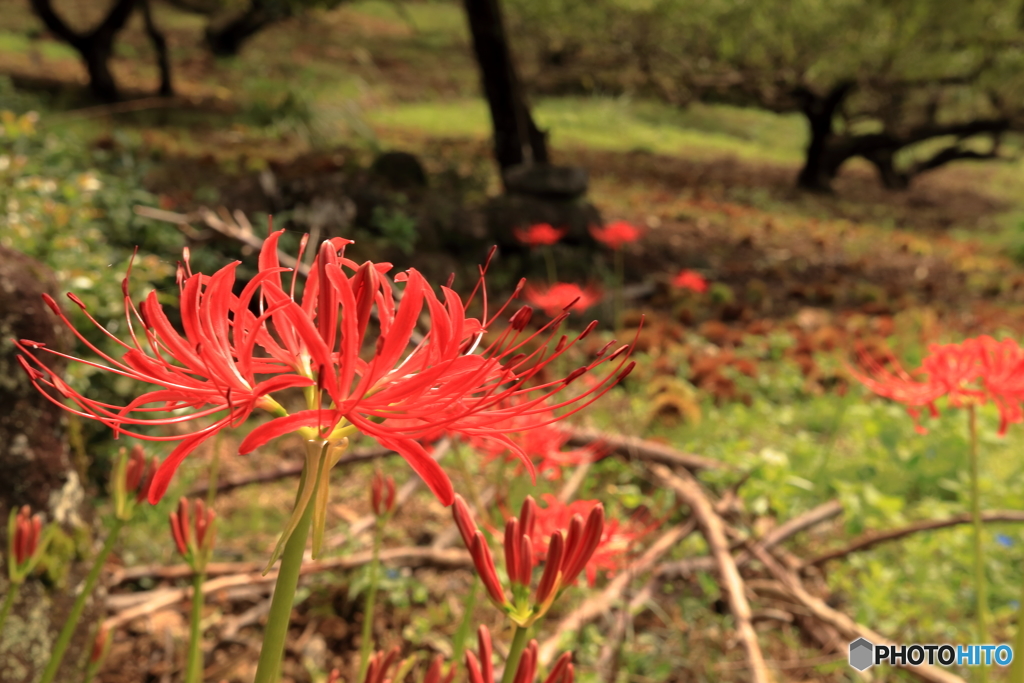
185,526
26,535
99,646
382,494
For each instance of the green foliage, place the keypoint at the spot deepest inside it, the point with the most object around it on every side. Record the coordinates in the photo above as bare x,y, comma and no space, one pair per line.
396,227
70,207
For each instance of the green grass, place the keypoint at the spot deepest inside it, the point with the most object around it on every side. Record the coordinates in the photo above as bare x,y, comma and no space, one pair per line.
619,125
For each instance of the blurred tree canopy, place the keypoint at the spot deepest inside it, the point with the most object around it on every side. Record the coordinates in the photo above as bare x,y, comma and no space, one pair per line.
908,85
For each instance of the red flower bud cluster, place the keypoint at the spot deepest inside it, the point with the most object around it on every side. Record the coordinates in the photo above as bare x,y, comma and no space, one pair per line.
382,494
139,477
481,666
27,530
26,542
567,555
195,550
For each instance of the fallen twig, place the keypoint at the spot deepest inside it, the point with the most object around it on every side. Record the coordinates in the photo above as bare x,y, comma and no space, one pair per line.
774,537
713,528
643,449
153,601
291,470
873,538
844,624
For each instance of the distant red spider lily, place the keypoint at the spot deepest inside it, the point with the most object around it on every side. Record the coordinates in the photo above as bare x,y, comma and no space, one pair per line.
562,296
975,371
690,279
615,235
230,361
480,667
539,235
543,445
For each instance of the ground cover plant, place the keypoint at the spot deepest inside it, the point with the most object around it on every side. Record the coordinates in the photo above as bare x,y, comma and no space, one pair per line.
761,507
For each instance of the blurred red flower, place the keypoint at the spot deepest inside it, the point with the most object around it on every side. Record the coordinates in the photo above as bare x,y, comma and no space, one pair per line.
690,279
562,296
230,361
539,235
543,445
976,370
616,234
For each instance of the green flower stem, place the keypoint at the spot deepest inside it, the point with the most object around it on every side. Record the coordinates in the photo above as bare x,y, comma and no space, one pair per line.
366,649
549,261
211,486
462,633
194,667
620,282
980,588
515,653
64,639
12,592
269,667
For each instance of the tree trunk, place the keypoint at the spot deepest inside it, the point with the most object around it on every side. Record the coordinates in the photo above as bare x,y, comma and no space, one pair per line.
884,161
517,139
97,62
96,47
163,60
227,40
822,159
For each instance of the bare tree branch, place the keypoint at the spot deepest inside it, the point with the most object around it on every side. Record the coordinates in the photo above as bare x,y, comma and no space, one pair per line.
689,492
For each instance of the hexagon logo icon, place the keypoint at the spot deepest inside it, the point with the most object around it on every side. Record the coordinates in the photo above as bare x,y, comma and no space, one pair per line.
862,653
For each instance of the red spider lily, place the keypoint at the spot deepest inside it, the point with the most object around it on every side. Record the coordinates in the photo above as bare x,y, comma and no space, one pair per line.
382,494
612,544
974,371
539,235
481,667
692,280
567,554
196,551
230,361
562,296
616,234
543,445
